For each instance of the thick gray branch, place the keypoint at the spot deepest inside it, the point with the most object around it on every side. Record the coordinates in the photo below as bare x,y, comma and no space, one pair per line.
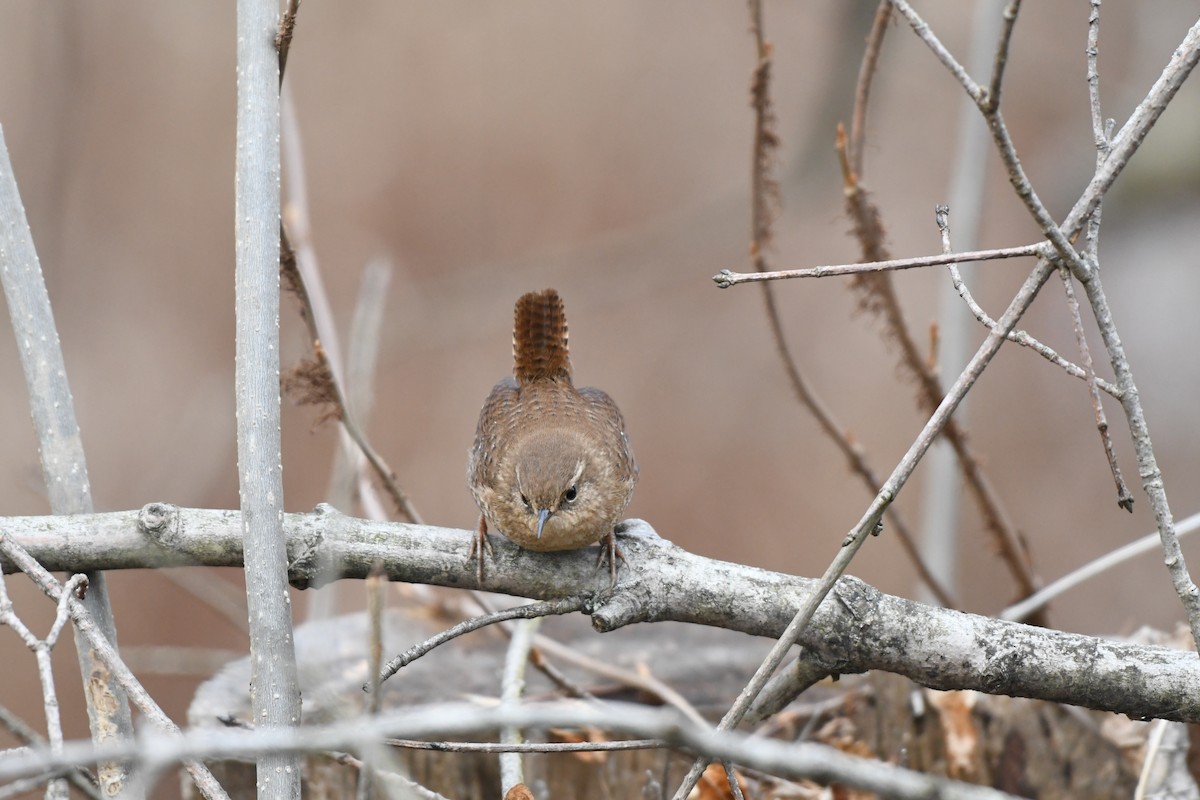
274,691
862,629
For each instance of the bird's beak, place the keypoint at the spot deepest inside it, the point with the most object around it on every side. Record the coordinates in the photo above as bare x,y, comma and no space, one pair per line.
543,515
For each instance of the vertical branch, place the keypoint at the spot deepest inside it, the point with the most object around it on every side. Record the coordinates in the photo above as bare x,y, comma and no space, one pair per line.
61,449
1001,61
764,189
274,691
862,91
1124,498
512,772
1091,250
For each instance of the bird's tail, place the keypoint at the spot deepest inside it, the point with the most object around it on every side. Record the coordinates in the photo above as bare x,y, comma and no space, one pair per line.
540,338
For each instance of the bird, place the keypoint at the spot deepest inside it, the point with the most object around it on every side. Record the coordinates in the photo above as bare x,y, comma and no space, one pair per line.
551,467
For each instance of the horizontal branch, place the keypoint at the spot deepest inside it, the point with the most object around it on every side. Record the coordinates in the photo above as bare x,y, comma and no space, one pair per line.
795,760
726,278
864,630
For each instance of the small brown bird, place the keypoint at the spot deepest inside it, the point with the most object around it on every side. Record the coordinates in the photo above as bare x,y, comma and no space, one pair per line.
551,468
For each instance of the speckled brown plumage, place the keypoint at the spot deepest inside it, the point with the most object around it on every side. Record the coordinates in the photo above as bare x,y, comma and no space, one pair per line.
551,467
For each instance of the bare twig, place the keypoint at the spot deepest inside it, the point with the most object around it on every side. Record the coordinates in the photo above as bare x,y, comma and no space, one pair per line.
1091,246
725,278
1019,611
302,277
1022,337
376,584
512,686
329,390
1001,61
764,189
643,682
1124,498
862,90
60,447
349,471
1093,81
528,747
530,611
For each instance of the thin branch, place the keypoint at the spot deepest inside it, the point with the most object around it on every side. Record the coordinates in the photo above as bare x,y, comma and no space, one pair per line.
1093,81
349,478
1021,337
643,682
725,278
1127,141
537,657
528,747
60,447
640,680
376,586
1091,247
327,388
1124,498
1020,611
764,189
862,90
567,605
1001,61
512,686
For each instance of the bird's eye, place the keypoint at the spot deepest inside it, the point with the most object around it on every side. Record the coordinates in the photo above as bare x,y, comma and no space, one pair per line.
525,500
571,494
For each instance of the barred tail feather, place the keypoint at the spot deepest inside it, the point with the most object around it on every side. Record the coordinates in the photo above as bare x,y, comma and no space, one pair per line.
540,338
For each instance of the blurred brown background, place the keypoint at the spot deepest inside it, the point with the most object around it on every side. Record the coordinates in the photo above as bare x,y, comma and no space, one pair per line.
493,148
